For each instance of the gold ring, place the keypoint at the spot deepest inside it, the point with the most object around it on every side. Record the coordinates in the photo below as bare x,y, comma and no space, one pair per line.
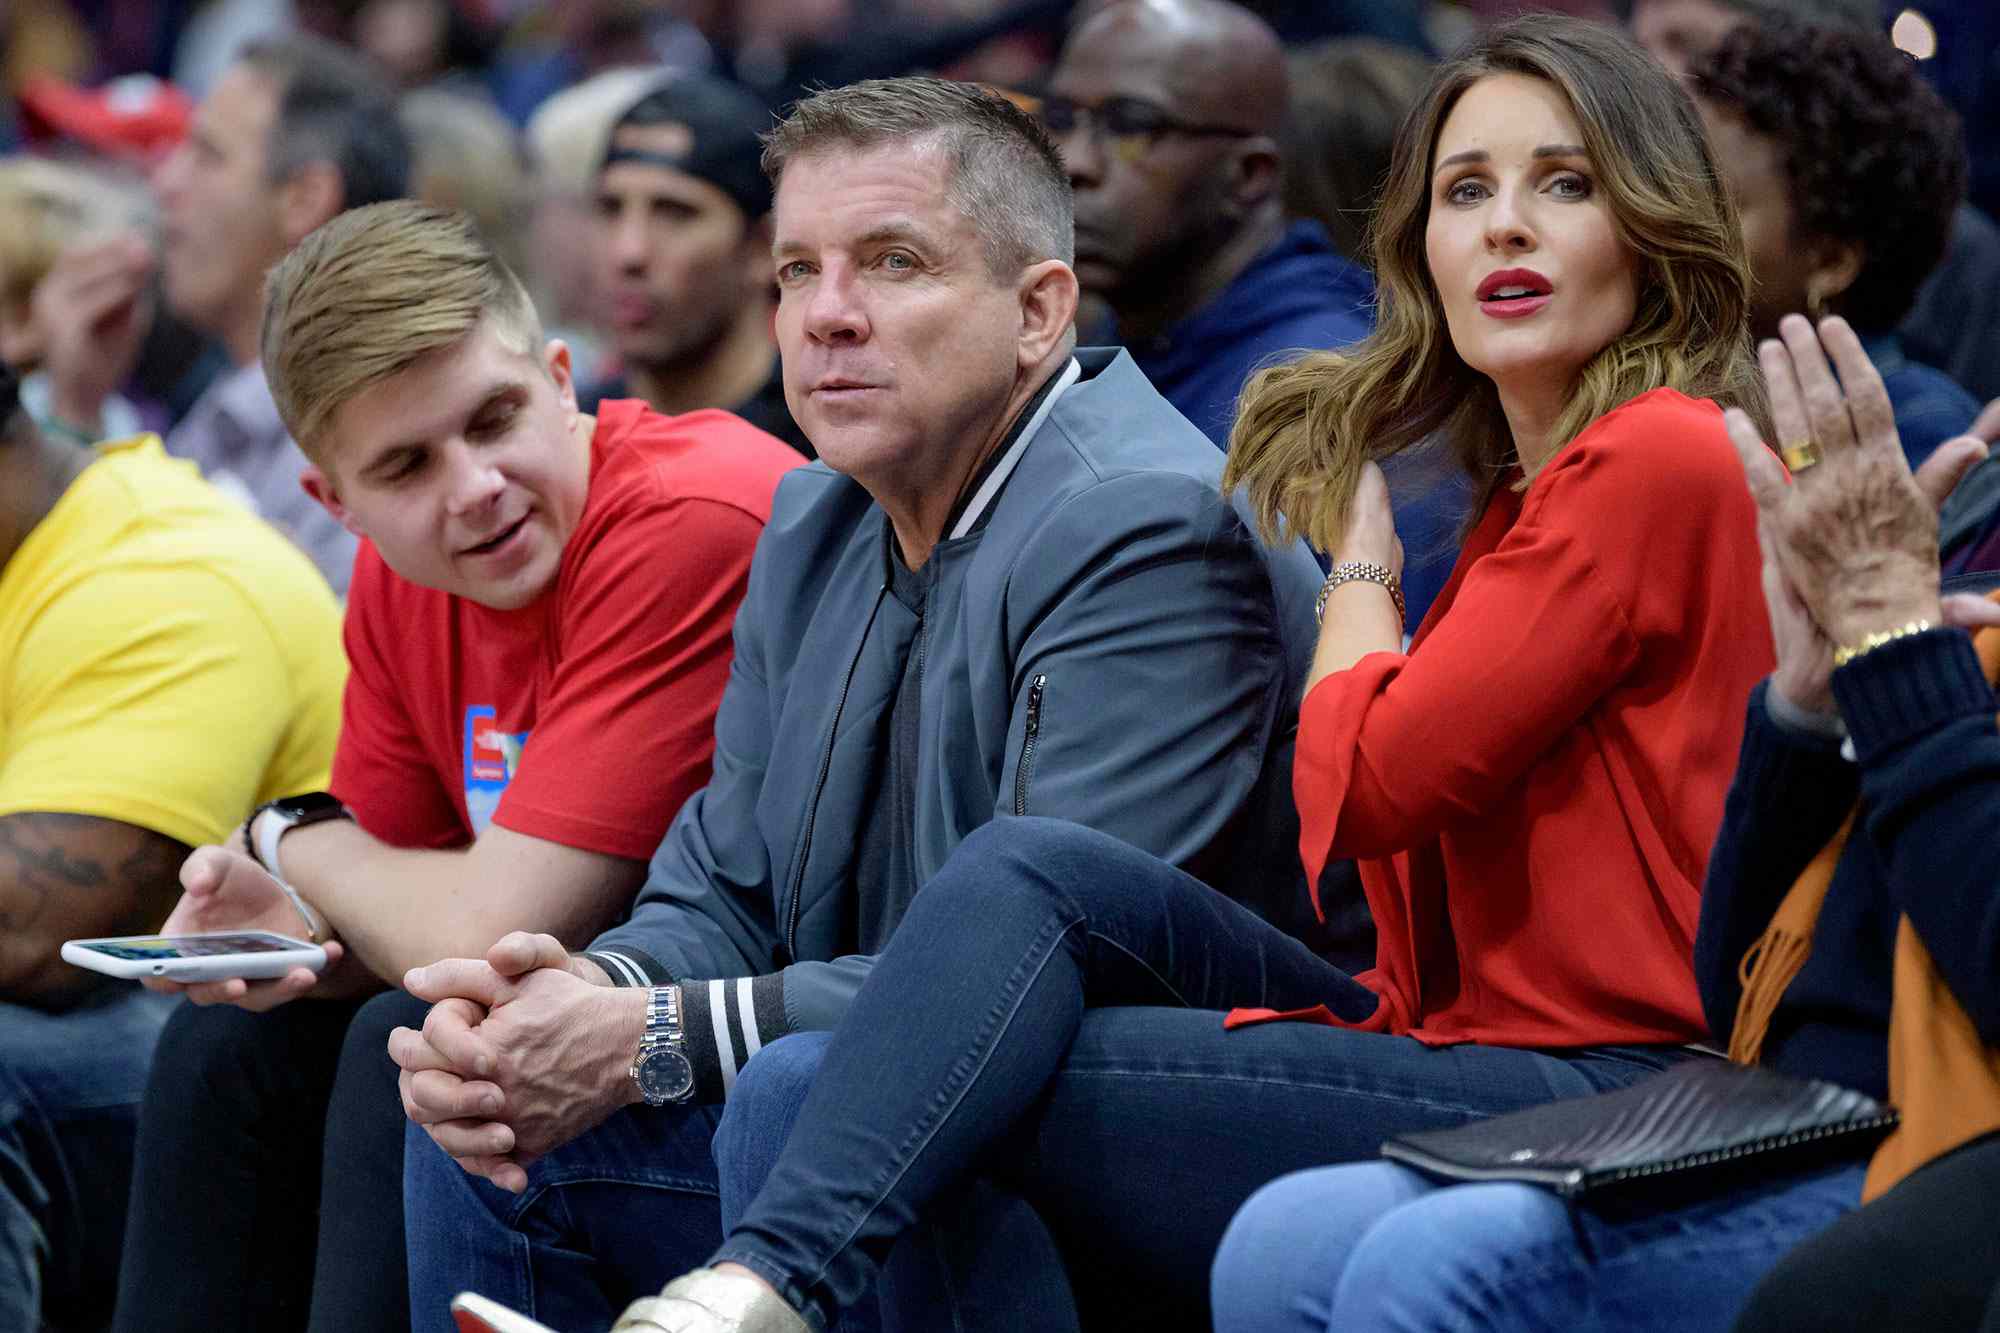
1799,455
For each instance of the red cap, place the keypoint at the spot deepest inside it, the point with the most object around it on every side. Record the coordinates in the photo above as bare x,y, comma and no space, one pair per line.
137,116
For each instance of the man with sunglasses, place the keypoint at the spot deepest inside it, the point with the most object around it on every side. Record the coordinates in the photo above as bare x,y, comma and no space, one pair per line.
1168,115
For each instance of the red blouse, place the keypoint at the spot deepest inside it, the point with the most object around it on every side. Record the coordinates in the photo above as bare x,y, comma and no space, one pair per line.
1532,790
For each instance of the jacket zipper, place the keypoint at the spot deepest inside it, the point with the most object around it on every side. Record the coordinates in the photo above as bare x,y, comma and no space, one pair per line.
819,785
1030,733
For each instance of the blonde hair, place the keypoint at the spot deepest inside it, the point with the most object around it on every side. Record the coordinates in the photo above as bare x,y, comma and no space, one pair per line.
368,294
1304,430
466,155
45,208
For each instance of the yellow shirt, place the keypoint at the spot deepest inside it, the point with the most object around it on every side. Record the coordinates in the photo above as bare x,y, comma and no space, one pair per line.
167,659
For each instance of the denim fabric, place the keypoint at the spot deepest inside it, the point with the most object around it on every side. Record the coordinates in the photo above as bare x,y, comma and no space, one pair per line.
1141,1154
1133,1130
607,1218
988,1263
230,1137
1377,1246
360,1276
70,1085
1924,1255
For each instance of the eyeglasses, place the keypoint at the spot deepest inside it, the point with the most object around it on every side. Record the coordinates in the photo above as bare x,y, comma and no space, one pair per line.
1131,126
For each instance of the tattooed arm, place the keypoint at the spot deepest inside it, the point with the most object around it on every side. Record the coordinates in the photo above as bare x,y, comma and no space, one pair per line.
66,877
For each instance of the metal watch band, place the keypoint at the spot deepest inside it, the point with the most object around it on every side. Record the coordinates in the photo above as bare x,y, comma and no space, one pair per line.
663,1018
662,1054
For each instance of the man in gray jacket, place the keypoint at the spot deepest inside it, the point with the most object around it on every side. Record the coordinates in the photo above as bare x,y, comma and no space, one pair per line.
1011,586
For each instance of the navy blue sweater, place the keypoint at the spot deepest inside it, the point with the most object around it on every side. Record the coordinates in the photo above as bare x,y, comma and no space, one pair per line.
1921,717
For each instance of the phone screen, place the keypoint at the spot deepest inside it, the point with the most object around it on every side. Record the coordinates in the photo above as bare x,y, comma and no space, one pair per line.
162,947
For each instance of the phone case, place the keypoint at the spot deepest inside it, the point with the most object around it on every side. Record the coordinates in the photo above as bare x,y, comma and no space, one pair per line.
217,967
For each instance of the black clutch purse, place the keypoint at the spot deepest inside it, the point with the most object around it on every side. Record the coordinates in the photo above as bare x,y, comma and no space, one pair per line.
1701,1113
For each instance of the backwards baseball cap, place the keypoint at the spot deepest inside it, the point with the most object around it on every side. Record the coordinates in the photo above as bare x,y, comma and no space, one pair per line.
720,122
136,117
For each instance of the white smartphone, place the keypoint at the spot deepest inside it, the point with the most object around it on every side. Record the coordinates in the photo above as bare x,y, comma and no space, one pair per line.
475,1314
250,954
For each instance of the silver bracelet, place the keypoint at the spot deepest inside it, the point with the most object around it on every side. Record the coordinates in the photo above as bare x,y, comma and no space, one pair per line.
1360,571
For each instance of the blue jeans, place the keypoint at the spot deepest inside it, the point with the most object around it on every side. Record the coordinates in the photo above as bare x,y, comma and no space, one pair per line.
1378,1246
996,1036
70,1085
606,1218
984,1261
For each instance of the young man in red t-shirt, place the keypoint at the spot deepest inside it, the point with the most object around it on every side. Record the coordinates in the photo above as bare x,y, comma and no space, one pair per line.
538,633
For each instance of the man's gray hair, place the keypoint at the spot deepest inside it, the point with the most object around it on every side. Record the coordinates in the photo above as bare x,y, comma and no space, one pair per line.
1004,173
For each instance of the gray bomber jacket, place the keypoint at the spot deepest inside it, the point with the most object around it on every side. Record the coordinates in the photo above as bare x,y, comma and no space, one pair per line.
1113,647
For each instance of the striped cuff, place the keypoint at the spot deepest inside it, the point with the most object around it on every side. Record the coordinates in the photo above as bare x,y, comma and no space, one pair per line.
727,1022
629,967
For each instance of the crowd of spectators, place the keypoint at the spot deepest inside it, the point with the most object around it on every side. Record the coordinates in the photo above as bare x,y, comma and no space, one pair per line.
924,664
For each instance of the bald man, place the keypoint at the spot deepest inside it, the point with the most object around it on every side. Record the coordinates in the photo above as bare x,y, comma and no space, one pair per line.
1168,115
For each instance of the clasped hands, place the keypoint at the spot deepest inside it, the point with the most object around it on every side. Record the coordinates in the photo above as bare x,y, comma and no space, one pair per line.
522,1051
1849,543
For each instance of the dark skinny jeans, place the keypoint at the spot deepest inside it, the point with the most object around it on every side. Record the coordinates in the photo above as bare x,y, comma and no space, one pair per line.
1137,1132
266,1140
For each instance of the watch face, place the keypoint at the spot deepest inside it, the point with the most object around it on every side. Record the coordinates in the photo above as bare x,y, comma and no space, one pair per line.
665,1076
311,805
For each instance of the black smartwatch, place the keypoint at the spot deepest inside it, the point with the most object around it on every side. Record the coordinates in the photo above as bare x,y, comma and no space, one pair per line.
288,813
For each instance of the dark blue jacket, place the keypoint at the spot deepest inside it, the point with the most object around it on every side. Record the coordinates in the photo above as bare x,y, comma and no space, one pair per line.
1298,295
1921,716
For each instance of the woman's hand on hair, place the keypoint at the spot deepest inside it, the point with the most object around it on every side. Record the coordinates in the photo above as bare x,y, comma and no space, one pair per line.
1855,535
1370,531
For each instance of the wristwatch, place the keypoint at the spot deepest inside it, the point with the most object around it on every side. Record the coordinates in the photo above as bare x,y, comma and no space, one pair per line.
261,837
662,1069
287,813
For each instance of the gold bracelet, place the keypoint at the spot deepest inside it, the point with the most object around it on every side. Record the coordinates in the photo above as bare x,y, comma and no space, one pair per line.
1360,571
1844,654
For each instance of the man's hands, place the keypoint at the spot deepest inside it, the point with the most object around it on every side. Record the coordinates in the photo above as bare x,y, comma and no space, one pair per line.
223,889
96,305
522,1051
1850,546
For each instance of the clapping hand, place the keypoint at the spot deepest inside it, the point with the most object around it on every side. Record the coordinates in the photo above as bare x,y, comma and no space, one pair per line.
1850,545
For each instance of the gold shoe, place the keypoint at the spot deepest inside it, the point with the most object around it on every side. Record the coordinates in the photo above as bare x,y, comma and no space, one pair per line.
706,1301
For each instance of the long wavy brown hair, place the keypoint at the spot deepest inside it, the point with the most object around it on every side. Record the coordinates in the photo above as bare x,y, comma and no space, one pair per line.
1304,430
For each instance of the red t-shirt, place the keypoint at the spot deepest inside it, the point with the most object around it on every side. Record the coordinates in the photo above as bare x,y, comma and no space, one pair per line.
587,717
1533,789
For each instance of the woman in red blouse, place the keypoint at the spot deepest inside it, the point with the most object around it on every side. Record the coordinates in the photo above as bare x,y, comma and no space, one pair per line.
1531,788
